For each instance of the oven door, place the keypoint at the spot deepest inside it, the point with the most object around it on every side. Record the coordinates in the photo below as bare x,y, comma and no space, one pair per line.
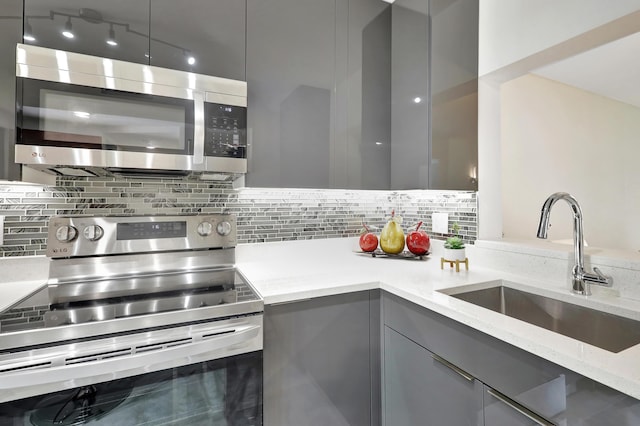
199,374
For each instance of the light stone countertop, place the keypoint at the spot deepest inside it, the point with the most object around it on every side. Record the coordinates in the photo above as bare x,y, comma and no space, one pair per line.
297,270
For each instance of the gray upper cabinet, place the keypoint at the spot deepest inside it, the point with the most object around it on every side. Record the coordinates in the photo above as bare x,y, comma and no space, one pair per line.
205,37
360,94
116,29
434,94
318,75
364,94
10,34
291,62
201,36
454,94
410,85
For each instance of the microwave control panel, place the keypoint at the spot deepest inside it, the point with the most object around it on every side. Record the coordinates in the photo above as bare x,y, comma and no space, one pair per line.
225,131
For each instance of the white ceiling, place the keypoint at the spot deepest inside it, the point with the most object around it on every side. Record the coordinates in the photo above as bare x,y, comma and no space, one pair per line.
611,70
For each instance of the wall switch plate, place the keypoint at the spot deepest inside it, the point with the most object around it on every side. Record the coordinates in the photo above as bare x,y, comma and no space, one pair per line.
440,223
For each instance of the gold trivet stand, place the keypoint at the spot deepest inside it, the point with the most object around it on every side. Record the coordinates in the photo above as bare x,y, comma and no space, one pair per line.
457,262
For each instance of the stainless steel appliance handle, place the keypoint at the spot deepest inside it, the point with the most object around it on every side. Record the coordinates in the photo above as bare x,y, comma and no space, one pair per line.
29,382
531,415
453,368
198,128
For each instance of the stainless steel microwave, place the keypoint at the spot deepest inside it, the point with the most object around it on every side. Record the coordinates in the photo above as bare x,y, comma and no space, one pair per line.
84,115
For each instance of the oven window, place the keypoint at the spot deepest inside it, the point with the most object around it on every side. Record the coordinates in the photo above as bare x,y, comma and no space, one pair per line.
61,114
226,392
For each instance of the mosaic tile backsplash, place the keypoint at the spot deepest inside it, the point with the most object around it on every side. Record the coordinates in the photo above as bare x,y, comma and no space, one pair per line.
263,214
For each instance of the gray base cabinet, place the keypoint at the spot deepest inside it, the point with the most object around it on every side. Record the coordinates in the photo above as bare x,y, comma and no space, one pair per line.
421,389
321,363
516,387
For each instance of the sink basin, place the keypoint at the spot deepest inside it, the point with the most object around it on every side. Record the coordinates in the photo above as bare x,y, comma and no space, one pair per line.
610,332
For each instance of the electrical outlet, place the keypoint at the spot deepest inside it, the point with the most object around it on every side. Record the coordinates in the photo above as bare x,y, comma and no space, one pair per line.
440,223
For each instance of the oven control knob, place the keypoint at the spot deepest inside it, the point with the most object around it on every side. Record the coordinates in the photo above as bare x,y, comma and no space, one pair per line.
66,233
224,228
93,232
205,229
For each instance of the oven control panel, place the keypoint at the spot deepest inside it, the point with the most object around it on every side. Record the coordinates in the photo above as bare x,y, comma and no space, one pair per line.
92,236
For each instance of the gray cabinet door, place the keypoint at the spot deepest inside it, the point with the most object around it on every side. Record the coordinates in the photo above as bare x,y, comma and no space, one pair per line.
291,62
549,390
363,132
419,389
364,95
201,36
501,412
434,94
10,35
410,94
454,94
92,25
318,366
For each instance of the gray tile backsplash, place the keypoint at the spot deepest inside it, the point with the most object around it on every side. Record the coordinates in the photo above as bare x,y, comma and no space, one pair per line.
263,214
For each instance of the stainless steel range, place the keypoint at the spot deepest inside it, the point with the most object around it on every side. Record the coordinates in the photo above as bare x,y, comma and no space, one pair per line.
144,320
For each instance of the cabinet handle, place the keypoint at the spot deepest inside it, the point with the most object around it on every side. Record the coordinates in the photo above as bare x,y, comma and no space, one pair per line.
531,415
288,302
450,366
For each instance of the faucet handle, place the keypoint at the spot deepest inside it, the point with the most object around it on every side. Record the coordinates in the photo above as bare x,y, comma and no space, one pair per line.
599,278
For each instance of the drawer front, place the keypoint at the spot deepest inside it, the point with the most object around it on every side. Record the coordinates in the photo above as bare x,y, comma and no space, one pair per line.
551,391
421,389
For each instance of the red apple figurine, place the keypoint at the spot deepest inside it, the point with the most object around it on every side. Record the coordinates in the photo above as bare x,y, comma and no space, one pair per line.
368,240
418,241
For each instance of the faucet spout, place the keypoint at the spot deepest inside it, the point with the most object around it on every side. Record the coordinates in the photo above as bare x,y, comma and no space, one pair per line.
581,278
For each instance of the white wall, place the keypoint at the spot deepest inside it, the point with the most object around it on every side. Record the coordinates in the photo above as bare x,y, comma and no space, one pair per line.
559,138
515,37
516,29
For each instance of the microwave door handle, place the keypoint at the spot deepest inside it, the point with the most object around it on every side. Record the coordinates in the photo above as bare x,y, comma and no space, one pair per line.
21,384
198,128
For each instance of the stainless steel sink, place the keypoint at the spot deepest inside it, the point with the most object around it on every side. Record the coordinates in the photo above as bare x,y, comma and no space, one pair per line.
610,332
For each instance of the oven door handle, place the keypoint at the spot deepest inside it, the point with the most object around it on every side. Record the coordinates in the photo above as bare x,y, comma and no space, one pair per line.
38,381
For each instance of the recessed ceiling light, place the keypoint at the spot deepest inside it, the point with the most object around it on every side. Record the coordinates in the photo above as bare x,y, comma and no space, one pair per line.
417,99
28,32
68,30
111,40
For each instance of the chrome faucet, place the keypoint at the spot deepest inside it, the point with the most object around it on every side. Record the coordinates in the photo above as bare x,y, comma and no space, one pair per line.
581,279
